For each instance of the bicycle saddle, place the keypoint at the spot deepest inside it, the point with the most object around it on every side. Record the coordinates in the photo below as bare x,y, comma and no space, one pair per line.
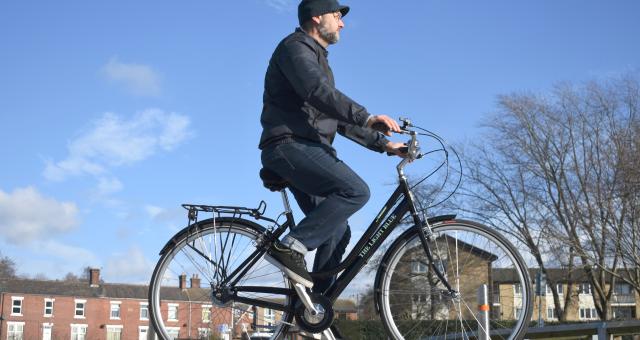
272,180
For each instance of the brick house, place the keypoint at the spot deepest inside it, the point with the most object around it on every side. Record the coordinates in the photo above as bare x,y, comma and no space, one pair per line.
49,310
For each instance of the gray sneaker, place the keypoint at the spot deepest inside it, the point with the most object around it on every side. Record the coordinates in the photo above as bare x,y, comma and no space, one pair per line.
290,262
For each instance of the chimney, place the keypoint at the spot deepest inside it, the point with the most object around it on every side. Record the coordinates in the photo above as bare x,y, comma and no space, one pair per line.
195,281
94,277
183,281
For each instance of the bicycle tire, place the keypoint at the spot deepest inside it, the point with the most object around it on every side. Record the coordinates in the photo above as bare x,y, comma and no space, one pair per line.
228,242
414,304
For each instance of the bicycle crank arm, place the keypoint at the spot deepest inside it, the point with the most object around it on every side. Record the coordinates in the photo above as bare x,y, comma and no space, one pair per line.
328,334
305,298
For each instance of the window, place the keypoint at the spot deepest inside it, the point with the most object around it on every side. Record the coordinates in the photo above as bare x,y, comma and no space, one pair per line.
48,307
624,313
517,312
173,332
551,313
517,289
204,333
418,267
114,332
206,313
172,312
79,313
558,288
269,316
15,330
585,288
622,289
115,310
142,332
47,329
588,314
16,305
144,311
78,332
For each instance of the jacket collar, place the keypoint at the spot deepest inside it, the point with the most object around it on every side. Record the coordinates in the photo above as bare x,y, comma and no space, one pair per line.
307,36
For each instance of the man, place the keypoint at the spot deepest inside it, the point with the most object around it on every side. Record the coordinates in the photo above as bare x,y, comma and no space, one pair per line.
301,114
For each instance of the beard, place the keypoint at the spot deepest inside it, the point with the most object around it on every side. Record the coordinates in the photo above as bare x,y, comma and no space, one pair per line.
329,37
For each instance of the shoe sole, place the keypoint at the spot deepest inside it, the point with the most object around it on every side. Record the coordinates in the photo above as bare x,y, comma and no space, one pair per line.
291,274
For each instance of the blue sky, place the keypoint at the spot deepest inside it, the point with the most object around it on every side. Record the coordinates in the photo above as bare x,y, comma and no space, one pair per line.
114,113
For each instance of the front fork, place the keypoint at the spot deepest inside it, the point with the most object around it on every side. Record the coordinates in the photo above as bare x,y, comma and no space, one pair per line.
426,235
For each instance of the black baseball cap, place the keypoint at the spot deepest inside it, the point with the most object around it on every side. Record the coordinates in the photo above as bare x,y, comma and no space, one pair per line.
312,8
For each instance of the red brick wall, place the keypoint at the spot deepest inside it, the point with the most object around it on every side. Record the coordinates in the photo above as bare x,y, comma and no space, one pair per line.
97,317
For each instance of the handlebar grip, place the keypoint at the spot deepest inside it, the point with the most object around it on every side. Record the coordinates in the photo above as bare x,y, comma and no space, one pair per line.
379,126
403,149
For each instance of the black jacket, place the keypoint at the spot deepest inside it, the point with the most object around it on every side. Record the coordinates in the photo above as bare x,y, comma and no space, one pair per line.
301,101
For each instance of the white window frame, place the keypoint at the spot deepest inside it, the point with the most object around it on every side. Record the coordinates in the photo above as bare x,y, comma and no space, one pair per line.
593,314
170,306
20,305
559,289
517,289
146,331
45,307
205,332
206,308
585,284
14,324
551,313
75,309
77,325
50,326
117,305
172,330
517,311
144,305
109,328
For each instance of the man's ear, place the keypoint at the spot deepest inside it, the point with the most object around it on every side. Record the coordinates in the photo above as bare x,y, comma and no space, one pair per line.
316,19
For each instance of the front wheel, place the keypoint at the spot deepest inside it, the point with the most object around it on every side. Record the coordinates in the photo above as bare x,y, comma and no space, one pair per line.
476,261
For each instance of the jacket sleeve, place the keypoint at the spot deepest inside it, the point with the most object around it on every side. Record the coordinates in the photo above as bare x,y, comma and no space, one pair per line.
299,64
366,137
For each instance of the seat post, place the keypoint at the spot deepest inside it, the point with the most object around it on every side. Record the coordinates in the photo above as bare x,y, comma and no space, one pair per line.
285,201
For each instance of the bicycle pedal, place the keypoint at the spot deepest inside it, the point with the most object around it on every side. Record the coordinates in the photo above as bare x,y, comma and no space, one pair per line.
305,298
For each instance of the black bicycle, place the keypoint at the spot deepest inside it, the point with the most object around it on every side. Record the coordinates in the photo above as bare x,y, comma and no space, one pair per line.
442,278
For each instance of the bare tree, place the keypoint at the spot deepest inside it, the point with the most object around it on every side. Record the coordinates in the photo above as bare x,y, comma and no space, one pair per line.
7,267
558,173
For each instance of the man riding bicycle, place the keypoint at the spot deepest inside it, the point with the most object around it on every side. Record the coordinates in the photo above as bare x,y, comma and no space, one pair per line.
301,114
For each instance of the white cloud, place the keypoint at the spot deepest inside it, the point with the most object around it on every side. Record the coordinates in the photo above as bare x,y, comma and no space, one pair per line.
131,266
81,256
281,5
107,186
26,216
113,141
153,211
139,79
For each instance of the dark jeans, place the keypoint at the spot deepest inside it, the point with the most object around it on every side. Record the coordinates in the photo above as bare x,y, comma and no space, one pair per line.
327,191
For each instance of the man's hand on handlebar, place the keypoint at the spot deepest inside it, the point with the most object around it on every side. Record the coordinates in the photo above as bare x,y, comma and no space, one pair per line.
384,124
398,149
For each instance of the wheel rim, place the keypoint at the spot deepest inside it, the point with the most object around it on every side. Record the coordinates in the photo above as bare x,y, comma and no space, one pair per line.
409,284
227,244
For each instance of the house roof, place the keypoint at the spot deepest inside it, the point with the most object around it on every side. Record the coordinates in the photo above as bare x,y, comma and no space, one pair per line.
104,290
118,291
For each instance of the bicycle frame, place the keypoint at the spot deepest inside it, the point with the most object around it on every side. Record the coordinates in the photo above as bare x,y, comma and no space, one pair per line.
397,206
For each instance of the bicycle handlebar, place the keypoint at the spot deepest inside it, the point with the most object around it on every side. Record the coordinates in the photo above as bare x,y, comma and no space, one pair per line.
411,148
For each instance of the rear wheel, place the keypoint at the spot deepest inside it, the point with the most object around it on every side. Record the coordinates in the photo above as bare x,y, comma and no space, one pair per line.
204,254
415,304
